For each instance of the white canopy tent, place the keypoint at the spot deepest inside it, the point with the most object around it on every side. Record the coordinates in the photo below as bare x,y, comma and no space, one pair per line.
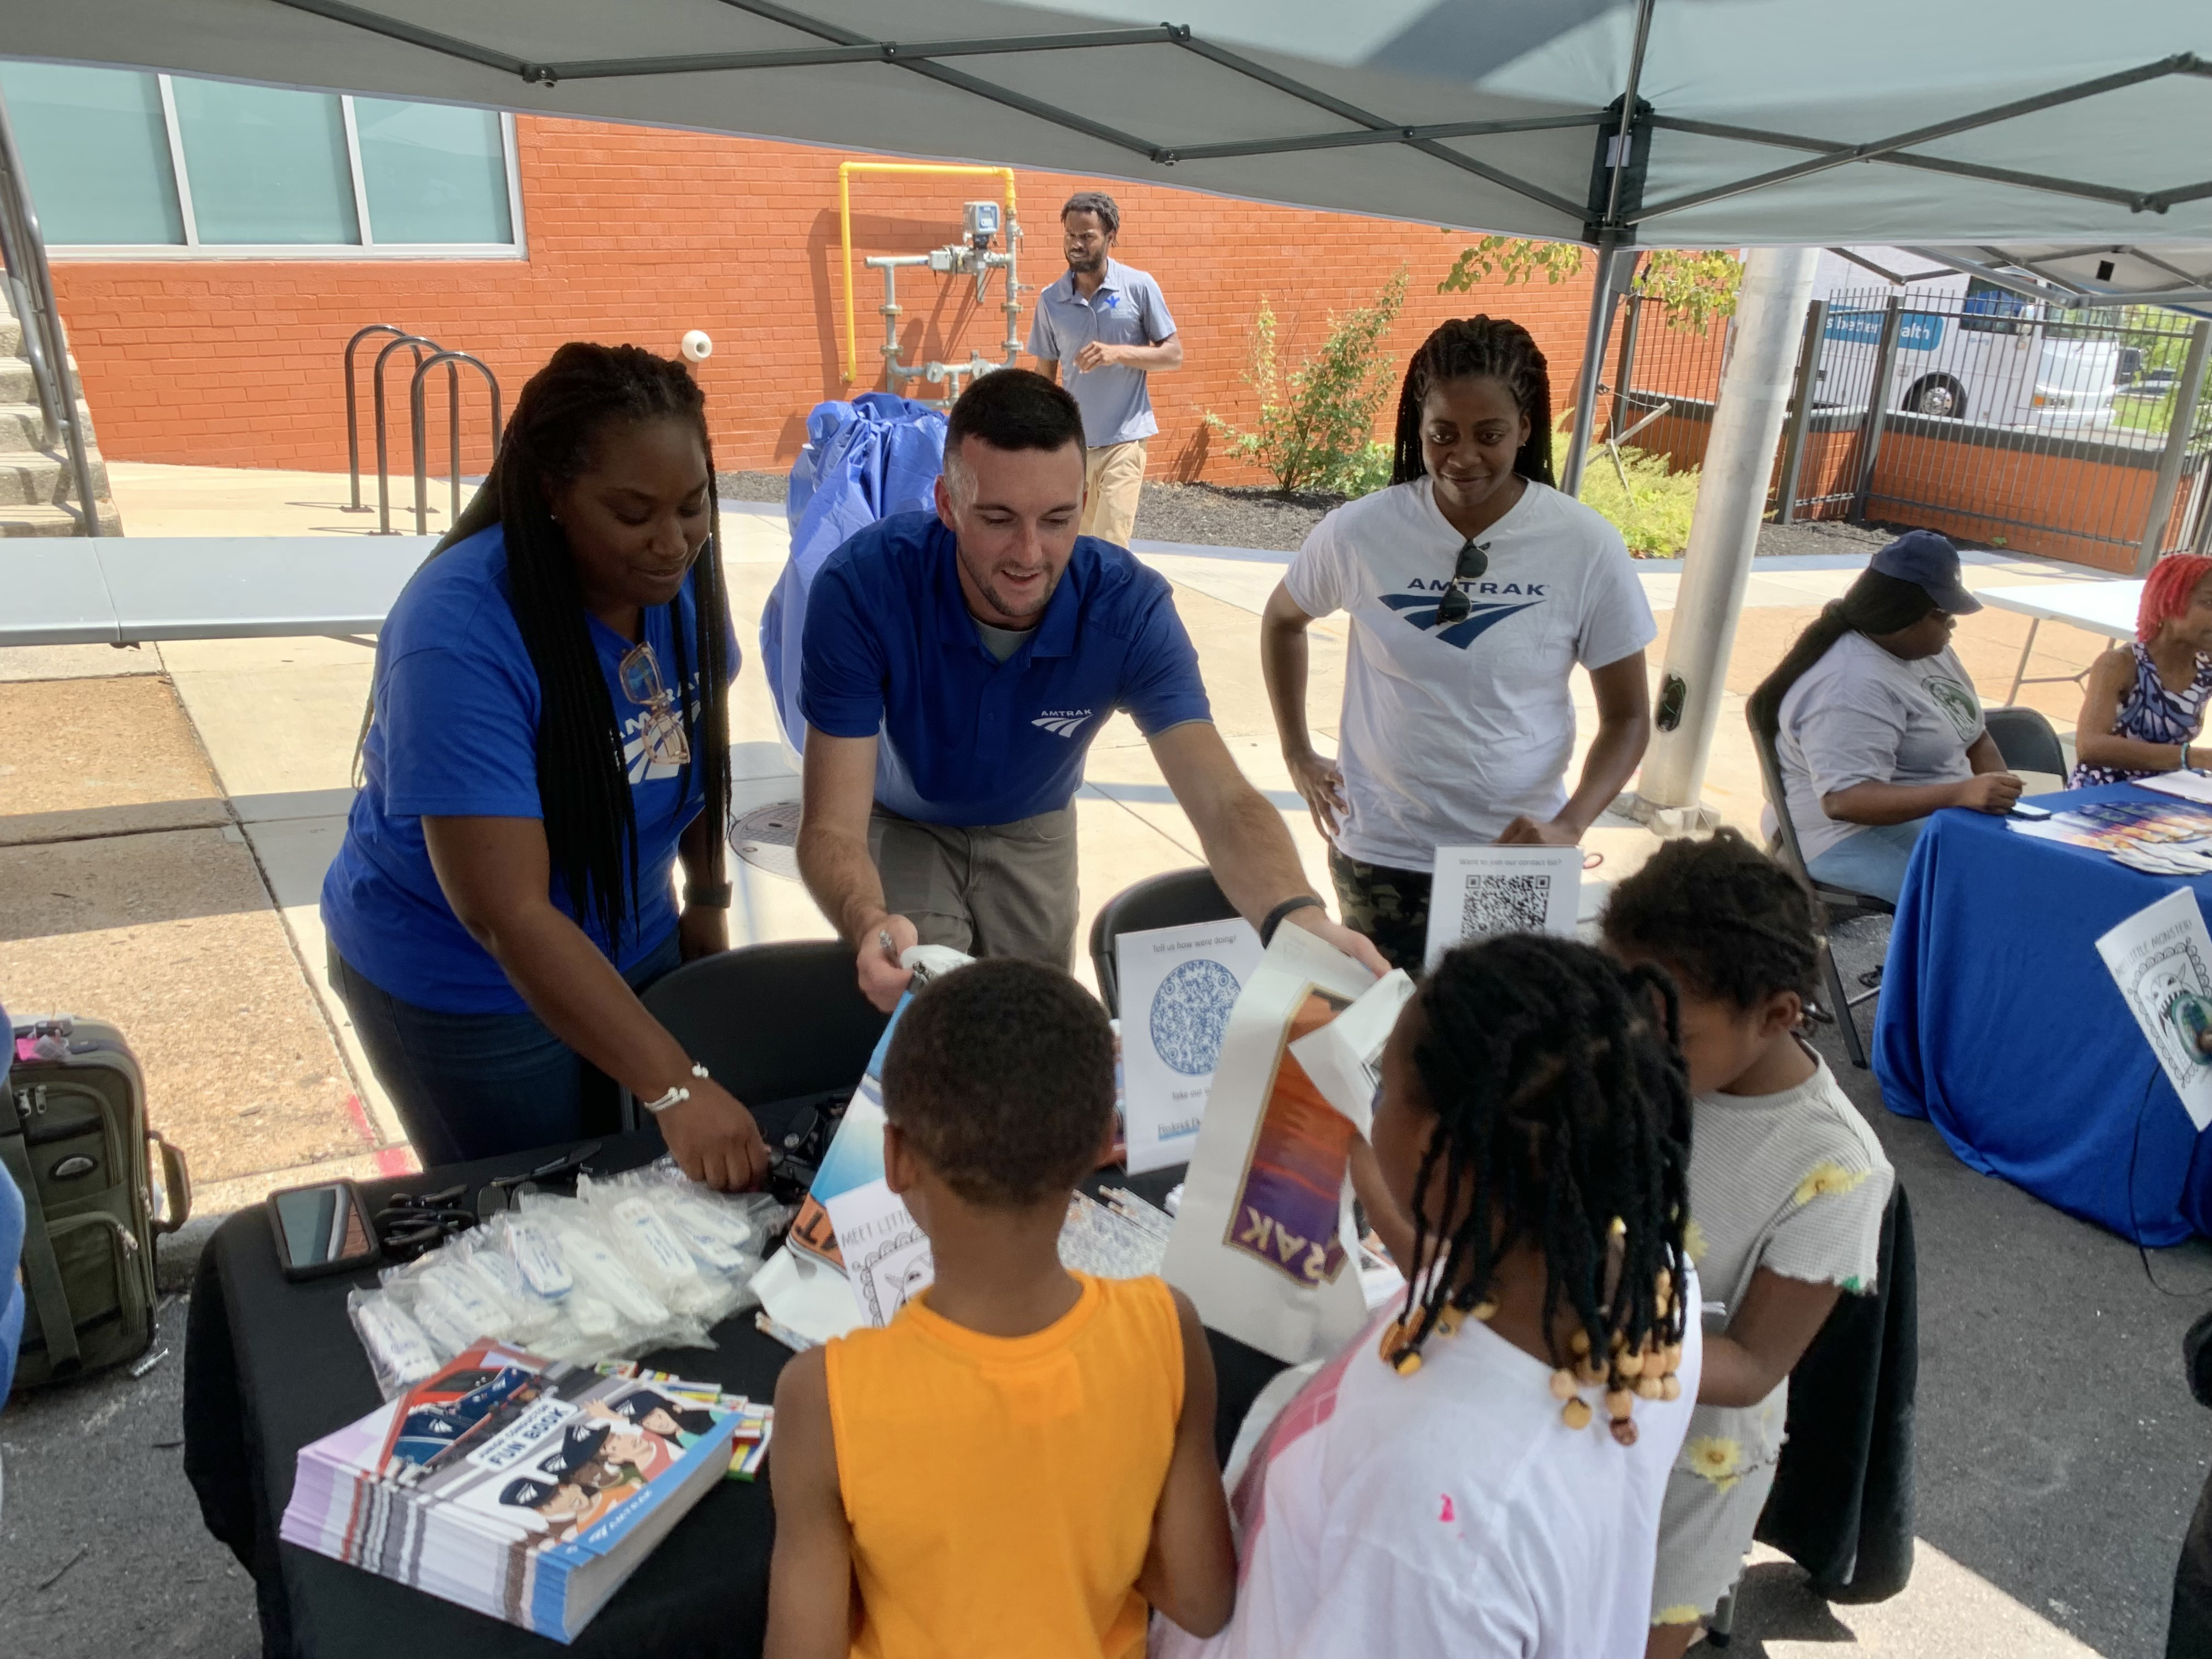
2069,145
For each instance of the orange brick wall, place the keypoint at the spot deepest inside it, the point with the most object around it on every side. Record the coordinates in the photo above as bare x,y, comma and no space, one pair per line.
638,234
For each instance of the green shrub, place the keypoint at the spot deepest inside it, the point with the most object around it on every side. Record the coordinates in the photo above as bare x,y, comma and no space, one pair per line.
1653,511
1316,425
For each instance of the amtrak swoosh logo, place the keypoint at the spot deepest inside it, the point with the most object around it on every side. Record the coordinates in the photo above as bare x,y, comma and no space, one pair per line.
1064,725
1420,610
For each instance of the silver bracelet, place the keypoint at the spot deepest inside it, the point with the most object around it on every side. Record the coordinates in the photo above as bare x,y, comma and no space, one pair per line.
675,1096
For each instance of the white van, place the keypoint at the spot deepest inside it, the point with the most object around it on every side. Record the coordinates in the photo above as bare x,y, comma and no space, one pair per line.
1967,348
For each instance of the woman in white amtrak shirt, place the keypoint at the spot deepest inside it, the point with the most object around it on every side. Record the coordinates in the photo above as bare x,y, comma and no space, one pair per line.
1875,721
1474,588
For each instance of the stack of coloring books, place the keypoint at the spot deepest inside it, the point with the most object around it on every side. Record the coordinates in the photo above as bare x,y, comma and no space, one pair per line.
525,1488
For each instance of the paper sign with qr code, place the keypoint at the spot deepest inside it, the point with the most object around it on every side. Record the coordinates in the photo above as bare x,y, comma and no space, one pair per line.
1477,891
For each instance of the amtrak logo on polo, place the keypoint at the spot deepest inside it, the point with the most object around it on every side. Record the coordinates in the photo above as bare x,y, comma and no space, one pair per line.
1063,722
1492,603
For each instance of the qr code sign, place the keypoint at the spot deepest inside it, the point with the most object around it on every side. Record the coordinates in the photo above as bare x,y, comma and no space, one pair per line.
1492,903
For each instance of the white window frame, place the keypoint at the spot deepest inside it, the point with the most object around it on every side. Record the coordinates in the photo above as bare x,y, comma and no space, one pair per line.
367,248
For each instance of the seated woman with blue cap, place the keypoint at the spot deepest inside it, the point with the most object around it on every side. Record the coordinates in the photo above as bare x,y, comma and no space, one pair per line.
1876,724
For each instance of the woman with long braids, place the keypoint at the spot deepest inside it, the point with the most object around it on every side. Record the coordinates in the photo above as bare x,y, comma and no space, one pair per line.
1474,589
1480,1473
548,736
1876,721
1787,1187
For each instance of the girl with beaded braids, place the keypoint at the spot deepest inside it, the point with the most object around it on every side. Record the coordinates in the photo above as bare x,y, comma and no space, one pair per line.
1787,1187
1479,1473
549,735
1475,589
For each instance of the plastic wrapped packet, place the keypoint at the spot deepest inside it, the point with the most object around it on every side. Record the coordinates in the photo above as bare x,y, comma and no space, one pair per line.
400,1354
695,1255
580,1236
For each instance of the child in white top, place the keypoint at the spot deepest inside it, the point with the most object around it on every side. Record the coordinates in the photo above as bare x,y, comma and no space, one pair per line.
1474,589
1461,1482
1787,1187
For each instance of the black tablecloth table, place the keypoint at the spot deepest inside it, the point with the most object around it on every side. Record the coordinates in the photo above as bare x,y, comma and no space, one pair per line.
270,1365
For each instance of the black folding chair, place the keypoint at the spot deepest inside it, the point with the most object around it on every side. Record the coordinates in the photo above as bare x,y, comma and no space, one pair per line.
1830,898
782,1027
1168,900
2026,740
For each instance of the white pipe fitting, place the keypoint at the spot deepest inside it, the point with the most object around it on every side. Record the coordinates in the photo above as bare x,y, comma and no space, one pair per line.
696,347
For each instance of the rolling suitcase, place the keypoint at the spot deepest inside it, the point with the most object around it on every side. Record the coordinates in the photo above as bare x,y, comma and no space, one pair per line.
97,1186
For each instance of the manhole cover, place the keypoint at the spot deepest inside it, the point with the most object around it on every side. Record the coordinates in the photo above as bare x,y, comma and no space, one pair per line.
767,838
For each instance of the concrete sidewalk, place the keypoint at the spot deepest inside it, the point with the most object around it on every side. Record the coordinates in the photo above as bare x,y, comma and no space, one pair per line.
169,813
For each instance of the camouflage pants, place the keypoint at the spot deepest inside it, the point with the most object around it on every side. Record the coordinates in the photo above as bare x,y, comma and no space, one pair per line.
1390,907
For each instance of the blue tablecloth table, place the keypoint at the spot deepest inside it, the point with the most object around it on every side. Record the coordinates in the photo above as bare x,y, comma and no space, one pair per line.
1999,1024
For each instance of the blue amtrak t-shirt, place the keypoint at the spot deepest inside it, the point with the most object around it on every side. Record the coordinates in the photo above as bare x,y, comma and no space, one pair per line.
457,704
891,649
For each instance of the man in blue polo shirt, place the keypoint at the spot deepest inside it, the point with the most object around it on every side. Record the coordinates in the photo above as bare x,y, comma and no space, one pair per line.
955,669
1102,328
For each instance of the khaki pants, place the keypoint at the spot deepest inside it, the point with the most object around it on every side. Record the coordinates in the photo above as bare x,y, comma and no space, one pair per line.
1113,477
1002,889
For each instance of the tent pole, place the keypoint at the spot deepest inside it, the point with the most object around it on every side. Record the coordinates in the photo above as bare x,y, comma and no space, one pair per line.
1609,254
1778,281
2179,429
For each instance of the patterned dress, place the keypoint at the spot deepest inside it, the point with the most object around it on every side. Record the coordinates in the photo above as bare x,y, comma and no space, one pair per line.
1796,1183
2151,714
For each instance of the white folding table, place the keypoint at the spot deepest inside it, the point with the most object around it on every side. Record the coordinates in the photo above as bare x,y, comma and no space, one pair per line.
2106,608
126,590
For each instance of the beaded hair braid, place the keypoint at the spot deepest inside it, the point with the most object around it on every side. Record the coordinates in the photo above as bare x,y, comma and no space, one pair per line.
1475,348
1727,921
1564,1121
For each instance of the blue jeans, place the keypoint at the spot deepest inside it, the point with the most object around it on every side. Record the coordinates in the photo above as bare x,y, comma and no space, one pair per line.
482,1085
1871,861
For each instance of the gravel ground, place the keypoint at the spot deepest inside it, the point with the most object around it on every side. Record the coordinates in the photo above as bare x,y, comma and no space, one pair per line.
1231,515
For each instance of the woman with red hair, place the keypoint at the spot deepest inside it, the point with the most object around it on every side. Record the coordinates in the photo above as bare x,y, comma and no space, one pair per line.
2144,703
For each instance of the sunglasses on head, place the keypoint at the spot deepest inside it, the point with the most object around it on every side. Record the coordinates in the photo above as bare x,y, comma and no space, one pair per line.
1455,605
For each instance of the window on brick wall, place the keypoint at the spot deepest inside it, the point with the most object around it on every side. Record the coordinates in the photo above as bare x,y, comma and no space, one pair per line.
123,164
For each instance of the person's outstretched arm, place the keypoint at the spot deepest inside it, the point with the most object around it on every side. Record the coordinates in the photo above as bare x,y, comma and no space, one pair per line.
1190,1568
496,873
838,794
810,1583
1624,732
1283,655
1768,1334
1246,843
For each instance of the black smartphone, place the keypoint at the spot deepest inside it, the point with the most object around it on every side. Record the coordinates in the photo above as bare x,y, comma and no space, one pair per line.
323,1228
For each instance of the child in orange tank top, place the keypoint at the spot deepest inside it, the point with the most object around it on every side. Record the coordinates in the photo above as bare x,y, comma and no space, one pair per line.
1021,1463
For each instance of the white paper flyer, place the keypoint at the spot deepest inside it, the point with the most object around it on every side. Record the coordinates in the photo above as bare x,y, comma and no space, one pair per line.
887,1259
2161,959
1481,890
1177,986
1345,1057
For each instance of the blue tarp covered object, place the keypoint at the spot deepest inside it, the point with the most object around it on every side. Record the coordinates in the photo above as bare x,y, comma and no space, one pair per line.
863,460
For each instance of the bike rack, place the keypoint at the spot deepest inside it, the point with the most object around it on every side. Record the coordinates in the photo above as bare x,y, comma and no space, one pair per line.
376,387
352,407
418,430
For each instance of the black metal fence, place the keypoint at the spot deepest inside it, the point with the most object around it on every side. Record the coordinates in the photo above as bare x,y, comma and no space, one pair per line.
2001,421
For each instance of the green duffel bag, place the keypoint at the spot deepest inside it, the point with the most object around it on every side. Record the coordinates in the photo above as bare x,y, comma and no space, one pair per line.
97,1186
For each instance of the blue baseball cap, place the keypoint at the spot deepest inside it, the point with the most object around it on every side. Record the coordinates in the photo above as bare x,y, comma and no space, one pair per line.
1928,559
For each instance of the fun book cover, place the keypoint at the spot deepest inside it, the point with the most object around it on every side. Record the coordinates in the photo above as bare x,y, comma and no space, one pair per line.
493,1481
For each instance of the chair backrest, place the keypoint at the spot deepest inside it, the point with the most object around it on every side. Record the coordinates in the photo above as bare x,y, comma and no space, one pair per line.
1167,901
1786,847
772,1023
2026,740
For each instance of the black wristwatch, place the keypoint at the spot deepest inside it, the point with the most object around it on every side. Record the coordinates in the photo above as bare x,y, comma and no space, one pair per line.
1296,902
716,897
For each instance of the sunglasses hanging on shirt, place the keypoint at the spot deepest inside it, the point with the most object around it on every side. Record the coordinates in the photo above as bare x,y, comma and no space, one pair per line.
661,732
1455,605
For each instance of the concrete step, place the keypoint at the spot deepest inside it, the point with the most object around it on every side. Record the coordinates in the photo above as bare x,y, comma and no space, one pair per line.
43,478
36,520
11,336
16,385
23,427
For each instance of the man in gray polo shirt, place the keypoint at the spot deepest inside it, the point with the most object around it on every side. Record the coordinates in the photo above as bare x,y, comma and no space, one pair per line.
1104,326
